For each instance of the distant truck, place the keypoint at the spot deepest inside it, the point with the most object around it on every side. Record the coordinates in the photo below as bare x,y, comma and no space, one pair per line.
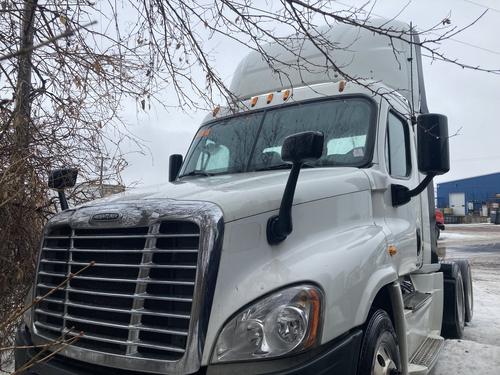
439,222
295,237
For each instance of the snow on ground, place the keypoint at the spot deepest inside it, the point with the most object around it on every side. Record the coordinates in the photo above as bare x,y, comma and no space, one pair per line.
479,350
462,357
457,234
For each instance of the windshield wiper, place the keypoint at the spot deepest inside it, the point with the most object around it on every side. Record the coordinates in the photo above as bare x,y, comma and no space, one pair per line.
197,173
281,166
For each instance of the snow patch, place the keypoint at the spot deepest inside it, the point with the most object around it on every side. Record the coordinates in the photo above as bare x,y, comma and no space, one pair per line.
463,357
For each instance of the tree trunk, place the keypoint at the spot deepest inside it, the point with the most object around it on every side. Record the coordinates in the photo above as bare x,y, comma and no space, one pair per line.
22,109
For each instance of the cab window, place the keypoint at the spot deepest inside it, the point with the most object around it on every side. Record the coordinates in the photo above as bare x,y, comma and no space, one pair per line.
397,148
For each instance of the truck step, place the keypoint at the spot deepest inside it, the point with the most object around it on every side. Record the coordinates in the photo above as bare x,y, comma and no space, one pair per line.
426,355
416,300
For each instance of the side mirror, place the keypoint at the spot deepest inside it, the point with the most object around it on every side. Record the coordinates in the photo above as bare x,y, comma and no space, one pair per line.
297,149
302,147
174,166
433,145
60,179
433,155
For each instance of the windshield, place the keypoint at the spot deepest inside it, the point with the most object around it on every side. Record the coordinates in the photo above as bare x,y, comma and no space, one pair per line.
252,142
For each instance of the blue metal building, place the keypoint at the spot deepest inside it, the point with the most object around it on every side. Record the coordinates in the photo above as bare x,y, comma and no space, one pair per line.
467,193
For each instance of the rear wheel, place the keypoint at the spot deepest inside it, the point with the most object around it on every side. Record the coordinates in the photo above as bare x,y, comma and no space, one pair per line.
379,351
465,269
454,301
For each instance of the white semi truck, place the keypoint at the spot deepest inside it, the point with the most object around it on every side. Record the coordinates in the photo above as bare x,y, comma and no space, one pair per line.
296,236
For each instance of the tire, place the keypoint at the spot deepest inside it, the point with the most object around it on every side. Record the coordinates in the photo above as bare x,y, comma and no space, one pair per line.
438,232
454,305
465,269
379,350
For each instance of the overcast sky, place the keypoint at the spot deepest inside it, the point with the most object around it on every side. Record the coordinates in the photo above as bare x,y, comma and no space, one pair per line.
470,99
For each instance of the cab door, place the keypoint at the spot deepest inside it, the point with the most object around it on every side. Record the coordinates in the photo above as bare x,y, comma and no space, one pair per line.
404,222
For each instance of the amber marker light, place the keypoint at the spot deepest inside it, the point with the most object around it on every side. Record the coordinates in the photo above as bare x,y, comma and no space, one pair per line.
269,98
314,325
254,100
215,111
203,133
392,250
342,85
286,95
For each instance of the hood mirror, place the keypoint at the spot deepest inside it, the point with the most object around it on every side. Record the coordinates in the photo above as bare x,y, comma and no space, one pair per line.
174,166
297,149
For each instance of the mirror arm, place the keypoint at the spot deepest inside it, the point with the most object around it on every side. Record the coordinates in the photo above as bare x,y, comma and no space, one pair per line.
280,226
62,200
402,195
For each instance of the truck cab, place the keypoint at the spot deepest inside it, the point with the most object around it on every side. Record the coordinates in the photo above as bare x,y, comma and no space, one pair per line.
295,237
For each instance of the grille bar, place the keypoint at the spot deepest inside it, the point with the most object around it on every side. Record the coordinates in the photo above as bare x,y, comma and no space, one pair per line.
126,326
123,311
112,341
50,313
138,280
115,237
137,297
145,265
48,326
53,300
81,250
120,295
127,343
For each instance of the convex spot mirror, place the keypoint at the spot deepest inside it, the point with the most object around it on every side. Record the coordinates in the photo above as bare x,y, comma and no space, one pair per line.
302,147
60,179
433,145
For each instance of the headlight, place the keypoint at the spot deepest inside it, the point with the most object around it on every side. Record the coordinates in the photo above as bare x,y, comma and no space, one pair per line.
28,300
285,322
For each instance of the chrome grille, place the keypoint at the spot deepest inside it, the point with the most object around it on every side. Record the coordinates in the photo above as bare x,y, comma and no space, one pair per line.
136,300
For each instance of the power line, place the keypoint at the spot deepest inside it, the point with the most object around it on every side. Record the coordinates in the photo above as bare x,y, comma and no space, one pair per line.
471,45
482,6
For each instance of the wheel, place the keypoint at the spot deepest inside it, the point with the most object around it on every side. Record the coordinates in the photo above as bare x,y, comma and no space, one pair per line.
379,350
438,232
468,289
454,301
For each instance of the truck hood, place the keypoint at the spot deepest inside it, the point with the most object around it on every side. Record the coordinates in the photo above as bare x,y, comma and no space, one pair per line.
246,194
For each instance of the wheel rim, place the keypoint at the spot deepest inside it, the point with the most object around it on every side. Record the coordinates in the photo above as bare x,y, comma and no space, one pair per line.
460,303
470,298
383,363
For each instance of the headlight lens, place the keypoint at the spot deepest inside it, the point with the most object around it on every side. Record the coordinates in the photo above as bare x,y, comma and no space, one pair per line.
284,322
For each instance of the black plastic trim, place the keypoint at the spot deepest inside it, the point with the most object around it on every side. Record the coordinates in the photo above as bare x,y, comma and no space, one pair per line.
339,356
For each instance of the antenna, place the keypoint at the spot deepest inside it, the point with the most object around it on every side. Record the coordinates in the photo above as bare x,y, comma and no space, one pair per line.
413,117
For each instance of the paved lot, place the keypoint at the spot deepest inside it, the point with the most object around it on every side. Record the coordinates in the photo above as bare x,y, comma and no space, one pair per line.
479,350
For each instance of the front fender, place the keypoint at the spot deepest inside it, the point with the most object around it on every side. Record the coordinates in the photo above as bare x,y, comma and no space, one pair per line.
382,277
334,244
